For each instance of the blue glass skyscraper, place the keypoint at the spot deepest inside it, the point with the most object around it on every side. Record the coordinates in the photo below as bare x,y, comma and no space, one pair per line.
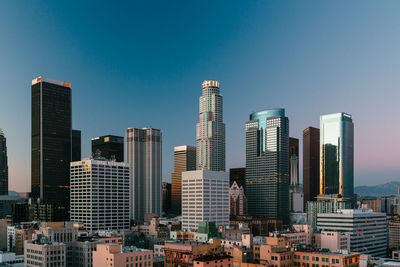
267,164
337,155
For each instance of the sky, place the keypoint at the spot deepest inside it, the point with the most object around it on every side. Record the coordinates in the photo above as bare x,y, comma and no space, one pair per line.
141,64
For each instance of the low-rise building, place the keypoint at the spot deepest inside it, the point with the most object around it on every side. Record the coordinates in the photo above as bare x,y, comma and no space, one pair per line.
183,253
43,252
215,260
116,255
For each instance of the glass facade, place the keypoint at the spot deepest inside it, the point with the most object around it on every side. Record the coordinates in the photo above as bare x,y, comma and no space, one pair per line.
310,164
109,147
3,165
337,155
267,164
51,145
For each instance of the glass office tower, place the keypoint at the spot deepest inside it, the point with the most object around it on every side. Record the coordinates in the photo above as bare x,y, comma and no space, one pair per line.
267,164
337,155
110,147
3,165
51,144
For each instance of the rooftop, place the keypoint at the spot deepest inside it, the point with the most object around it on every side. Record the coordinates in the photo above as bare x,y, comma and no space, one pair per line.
212,257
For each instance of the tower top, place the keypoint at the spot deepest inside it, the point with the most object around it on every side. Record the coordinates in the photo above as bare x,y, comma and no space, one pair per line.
210,83
47,80
1,132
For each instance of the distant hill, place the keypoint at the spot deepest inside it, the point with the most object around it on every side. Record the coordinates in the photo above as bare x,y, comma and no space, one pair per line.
378,190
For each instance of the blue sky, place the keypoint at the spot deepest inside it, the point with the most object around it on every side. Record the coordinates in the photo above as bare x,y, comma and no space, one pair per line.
141,63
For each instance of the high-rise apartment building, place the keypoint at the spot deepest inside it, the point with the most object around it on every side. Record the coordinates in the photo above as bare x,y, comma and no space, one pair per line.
184,160
210,130
143,150
267,164
109,146
367,229
310,164
205,197
100,193
3,164
337,155
294,161
51,143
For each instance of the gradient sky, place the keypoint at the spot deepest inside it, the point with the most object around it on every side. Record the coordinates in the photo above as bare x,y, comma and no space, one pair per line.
141,63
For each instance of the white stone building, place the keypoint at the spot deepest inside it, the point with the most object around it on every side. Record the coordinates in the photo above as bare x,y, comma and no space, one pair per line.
205,197
100,192
367,229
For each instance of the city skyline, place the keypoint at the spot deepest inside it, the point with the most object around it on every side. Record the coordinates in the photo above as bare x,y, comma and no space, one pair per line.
321,68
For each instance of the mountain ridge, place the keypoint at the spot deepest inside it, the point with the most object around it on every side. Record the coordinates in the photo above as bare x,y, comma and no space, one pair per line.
386,189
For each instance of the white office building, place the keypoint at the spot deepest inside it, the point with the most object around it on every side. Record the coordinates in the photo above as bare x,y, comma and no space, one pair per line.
144,154
367,229
205,197
100,194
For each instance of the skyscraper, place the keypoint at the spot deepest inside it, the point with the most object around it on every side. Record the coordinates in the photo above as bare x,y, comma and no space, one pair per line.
294,161
166,198
184,160
109,146
51,144
310,164
3,164
337,155
210,131
143,150
76,145
267,164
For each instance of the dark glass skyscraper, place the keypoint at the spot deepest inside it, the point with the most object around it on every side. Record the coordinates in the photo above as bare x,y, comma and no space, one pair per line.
293,161
76,145
3,165
337,155
310,164
267,164
110,147
51,144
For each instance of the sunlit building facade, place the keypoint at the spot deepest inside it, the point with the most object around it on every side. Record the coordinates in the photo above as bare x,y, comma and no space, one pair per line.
337,155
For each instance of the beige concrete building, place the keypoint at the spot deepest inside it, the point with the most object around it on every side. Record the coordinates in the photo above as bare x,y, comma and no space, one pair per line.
118,256
394,234
335,241
43,252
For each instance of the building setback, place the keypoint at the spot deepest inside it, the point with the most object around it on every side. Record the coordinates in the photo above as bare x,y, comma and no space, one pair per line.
143,150
184,160
109,146
267,164
210,130
51,144
337,155
3,164
205,197
310,164
100,193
